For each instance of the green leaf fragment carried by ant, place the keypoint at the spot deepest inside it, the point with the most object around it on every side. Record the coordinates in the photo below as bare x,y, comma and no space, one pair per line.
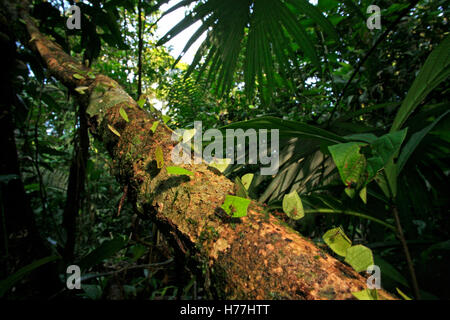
337,240
179,171
236,207
123,114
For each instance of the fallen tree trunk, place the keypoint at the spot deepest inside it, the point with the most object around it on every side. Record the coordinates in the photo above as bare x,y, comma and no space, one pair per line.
256,257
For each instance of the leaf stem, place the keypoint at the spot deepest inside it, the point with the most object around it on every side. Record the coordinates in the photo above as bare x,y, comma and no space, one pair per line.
353,213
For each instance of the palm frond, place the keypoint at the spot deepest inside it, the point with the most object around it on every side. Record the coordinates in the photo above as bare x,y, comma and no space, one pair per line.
271,27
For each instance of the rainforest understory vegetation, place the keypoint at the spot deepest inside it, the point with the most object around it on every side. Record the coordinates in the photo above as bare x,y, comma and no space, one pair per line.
87,177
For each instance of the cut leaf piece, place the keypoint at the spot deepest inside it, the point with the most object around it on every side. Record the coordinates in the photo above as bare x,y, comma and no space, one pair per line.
141,103
123,114
81,89
220,164
363,195
159,157
337,240
236,207
78,76
247,180
359,257
292,206
366,294
114,130
154,126
188,134
350,162
179,171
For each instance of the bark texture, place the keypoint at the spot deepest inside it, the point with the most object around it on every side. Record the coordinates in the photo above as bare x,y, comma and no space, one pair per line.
255,257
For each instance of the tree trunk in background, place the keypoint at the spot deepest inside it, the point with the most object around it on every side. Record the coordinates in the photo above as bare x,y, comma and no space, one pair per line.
75,189
256,257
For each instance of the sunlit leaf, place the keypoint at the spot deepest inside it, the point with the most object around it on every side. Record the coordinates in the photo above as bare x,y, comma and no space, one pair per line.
359,257
337,240
366,294
114,130
123,114
159,157
247,180
154,126
292,206
220,164
78,76
81,89
179,171
236,207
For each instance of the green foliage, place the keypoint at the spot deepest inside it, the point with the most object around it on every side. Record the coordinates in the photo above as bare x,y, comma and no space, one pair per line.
266,44
287,73
104,251
435,70
7,283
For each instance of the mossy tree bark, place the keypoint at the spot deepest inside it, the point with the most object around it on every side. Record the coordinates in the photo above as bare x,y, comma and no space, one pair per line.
256,257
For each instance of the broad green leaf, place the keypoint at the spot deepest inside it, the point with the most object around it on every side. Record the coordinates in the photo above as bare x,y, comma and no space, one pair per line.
236,207
159,157
414,141
78,76
247,180
292,206
104,251
337,240
366,294
154,126
179,171
91,75
434,71
114,130
123,114
81,89
389,272
220,164
288,129
404,296
388,145
359,257
7,283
